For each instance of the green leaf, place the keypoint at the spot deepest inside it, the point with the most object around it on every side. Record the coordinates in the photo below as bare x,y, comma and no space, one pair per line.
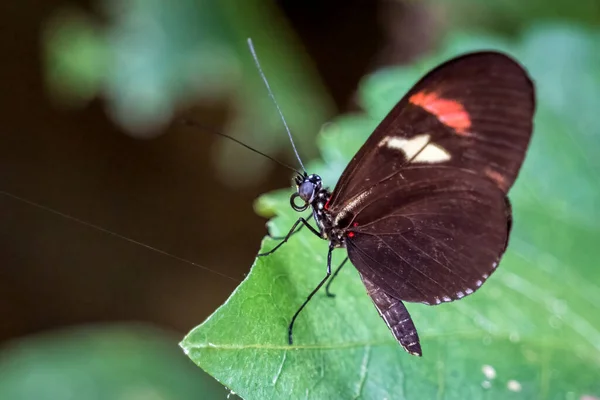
533,330
101,362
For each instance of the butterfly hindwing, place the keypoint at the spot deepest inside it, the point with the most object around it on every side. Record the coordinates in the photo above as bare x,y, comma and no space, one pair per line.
396,317
429,240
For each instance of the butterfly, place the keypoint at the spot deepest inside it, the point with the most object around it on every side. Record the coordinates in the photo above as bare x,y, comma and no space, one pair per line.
422,207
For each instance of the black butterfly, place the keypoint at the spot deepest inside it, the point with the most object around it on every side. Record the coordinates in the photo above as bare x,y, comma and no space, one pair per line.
422,207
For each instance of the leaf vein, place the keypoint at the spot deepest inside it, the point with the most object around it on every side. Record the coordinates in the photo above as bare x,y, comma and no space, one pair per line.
364,367
278,373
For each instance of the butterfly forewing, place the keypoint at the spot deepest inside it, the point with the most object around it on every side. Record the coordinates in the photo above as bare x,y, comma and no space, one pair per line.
473,112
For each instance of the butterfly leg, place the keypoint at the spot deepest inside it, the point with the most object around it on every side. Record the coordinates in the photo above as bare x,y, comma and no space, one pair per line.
301,220
291,327
329,294
283,237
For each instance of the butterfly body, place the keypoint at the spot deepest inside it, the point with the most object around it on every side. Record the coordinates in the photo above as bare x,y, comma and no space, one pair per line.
422,207
325,221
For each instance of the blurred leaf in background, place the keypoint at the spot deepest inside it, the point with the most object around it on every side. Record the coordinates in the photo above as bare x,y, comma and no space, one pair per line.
511,16
124,362
150,59
533,331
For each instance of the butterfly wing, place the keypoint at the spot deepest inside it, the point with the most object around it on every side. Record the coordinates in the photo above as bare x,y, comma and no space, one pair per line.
474,112
424,200
396,317
430,238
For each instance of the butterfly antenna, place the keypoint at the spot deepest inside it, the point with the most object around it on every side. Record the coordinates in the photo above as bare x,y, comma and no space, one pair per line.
114,234
264,78
189,122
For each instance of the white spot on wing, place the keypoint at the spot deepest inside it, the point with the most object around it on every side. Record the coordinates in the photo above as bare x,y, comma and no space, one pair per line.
410,147
460,295
468,290
446,298
417,146
478,283
432,154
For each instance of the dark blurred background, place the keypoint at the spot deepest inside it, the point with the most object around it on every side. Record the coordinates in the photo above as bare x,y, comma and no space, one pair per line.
91,92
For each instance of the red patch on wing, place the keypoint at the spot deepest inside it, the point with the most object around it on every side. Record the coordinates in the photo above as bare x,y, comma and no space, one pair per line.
497,177
326,206
350,234
450,112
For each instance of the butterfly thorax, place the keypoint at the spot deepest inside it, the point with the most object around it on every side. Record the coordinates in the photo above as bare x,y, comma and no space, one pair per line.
325,220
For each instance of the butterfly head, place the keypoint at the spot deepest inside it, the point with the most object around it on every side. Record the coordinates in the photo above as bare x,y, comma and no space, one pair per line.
307,186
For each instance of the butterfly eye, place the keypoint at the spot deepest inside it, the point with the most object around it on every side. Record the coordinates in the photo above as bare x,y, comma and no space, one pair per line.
306,191
295,206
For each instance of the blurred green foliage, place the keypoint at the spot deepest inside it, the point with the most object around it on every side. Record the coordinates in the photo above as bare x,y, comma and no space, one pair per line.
511,16
535,324
150,60
121,362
